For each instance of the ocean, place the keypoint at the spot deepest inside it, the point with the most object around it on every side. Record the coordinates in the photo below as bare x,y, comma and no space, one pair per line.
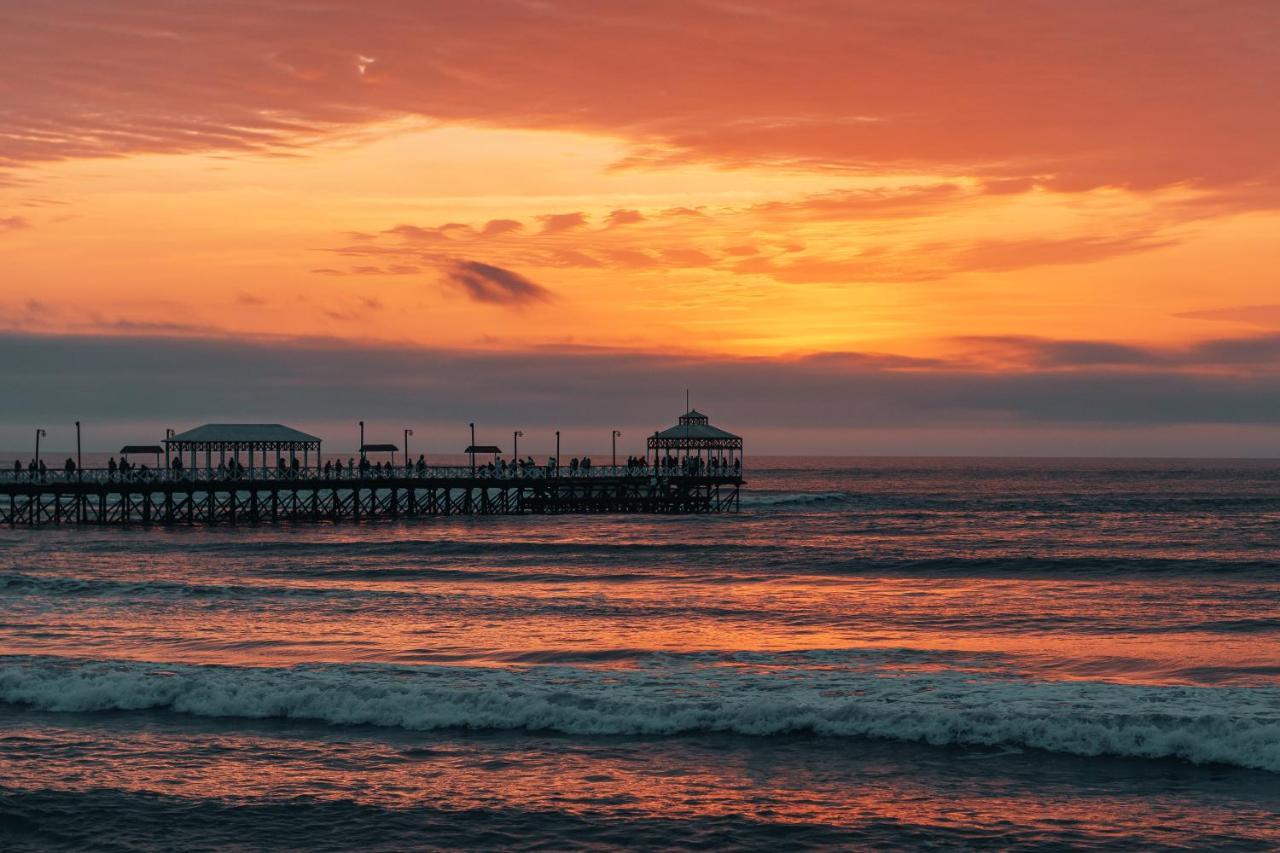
883,653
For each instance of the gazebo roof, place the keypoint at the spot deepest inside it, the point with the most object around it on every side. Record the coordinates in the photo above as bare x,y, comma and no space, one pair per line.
694,425
695,431
243,434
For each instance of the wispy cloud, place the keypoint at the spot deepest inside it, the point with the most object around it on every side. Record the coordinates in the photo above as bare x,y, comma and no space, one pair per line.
1061,96
1253,315
554,223
494,285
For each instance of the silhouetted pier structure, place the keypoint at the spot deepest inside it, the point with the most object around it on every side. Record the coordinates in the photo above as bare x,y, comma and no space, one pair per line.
685,479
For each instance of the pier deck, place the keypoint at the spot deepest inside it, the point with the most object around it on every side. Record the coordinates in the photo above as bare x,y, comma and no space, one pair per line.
92,497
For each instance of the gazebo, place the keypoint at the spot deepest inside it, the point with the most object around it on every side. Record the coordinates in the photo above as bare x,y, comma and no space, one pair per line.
366,449
130,449
234,439
695,437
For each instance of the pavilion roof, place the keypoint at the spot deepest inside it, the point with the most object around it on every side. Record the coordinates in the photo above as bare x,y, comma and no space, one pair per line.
693,425
243,433
695,431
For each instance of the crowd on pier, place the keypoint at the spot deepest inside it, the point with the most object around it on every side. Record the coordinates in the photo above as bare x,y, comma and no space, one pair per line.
36,471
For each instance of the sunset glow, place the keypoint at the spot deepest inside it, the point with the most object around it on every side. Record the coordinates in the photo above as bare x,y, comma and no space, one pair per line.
735,425
1084,189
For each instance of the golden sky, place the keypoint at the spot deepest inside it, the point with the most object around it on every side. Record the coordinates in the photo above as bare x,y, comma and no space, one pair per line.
986,189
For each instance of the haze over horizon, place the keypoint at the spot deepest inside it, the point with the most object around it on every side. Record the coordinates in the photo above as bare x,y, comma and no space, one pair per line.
848,227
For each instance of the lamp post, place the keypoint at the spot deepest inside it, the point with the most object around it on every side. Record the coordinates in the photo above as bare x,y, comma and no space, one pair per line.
515,445
472,449
79,459
168,463
362,441
616,433
39,432
407,433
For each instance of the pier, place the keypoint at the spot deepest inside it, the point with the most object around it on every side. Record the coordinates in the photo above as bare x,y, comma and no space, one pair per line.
690,468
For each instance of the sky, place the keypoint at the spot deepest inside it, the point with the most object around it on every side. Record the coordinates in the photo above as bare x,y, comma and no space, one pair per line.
913,227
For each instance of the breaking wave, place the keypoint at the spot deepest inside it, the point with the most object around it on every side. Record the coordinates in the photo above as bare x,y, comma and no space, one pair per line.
1237,726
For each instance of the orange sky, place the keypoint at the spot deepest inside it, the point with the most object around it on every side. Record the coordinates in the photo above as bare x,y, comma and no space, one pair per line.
987,187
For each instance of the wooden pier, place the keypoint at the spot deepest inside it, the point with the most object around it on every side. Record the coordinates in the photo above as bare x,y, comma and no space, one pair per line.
95,498
692,467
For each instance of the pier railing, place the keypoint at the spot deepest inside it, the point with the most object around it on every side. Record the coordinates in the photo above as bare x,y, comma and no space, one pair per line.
347,474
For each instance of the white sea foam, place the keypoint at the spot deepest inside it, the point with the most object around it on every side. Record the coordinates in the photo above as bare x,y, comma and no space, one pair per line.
1239,726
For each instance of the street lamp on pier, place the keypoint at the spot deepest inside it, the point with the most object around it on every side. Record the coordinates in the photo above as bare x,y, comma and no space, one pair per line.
557,469
472,449
616,433
407,433
515,445
362,441
79,459
39,433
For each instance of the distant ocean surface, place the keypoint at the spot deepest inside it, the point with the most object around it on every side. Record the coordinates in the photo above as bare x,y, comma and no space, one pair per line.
902,653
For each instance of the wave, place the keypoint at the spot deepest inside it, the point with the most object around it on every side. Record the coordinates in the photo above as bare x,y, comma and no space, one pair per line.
787,499
1237,726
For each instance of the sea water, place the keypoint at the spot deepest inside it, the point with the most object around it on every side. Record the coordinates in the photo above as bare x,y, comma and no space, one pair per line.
874,652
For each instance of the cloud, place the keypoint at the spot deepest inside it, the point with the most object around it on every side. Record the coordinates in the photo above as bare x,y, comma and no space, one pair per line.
494,285
1254,315
623,217
686,258
1043,353
437,234
880,203
366,269
932,261
498,227
1065,96
14,223
1262,351
554,223
1000,255
125,326
190,379
1259,353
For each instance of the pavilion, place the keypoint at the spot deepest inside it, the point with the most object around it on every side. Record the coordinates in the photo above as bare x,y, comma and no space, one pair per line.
366,449
234,439
694,436
130,449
